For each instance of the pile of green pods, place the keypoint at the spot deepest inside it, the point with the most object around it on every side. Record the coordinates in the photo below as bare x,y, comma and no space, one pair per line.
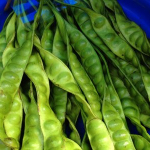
86,61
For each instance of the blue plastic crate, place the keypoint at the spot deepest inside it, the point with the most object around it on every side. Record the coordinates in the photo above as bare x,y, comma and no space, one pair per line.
136,10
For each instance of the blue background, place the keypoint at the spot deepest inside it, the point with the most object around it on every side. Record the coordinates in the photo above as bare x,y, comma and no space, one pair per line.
136,10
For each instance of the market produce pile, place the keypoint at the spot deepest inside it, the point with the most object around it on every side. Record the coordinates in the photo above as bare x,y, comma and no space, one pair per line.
87,59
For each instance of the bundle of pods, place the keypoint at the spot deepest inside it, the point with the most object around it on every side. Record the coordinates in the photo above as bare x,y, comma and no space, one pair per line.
87,59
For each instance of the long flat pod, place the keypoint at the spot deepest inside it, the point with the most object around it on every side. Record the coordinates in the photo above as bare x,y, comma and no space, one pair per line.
88,56
119,134
32,138
50,125
85,84
130,108
132,32
104,30
59,95
13,120
61,76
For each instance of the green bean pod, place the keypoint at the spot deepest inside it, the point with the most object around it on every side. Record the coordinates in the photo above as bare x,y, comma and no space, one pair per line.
110,38
59,103
50,125
33,138
59,95
59,47
98,135
13,120
10,28
47,38
110,4
11,78
21,32
114,98
61,76
145,120
130,108
140,143
74,135
132,32
85,84
118,132
135,76
88,56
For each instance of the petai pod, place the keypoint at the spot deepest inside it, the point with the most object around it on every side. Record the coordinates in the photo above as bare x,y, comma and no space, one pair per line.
118,132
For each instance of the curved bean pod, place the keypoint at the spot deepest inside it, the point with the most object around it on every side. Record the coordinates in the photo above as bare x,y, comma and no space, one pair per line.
132,32
140,142
59,103
98,135
85,84
47,38
13,72
13,120
33,138
10,28
89,58
110,38
119,134
21,32
61,76
59,95
59,47
130,108
50,125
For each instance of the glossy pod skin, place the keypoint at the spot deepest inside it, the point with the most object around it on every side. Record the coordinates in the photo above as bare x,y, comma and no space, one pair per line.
62,77
13,120
47,38
13,72
59,47
50,125
135,76
118,132
98,135
59,103
33,138
132,32
145,120
89,58
3,146
59,95
113,96
140,142
85,84
110,38
130,108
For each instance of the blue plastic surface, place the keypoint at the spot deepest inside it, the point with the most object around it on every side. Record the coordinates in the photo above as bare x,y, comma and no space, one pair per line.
136,10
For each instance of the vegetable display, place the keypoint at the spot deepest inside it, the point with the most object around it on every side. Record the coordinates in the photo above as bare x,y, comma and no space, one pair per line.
87,60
